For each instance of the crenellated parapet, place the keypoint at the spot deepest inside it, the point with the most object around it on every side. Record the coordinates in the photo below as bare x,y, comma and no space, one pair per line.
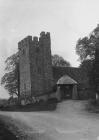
44,37
24,42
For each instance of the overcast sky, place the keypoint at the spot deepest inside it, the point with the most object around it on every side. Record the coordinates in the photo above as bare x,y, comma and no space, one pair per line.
66,20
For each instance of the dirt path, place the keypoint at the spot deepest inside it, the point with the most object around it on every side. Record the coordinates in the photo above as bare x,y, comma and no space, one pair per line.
69,122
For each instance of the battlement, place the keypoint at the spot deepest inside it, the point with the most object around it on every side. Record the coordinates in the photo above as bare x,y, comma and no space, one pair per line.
34,40
44,35
24,41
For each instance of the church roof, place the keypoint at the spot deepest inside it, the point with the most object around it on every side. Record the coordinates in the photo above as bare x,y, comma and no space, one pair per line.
66,80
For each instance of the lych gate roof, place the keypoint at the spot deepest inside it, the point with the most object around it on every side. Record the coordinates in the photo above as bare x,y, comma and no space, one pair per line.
66,80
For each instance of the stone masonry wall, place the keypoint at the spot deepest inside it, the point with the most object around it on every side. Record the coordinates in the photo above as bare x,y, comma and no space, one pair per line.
45,45
36,76
24,65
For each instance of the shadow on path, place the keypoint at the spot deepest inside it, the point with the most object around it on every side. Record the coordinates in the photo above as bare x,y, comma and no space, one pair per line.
5,134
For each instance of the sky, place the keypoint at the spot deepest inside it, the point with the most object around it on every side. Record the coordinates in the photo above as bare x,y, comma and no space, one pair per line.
66,20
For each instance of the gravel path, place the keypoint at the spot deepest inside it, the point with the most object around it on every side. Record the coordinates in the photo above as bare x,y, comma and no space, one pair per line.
70,121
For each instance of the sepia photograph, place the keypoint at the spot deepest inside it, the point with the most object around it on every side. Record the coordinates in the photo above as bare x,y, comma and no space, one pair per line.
49,69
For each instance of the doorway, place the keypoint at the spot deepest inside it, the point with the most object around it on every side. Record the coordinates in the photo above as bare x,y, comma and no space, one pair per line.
66,91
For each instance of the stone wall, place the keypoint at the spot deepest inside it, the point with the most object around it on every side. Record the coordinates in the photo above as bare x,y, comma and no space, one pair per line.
45,45
36,76
24,65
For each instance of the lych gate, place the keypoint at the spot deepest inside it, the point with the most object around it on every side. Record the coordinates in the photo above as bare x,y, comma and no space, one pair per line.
67,87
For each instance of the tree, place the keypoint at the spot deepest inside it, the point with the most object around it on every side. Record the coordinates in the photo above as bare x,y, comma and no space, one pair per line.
87,66
95,70
59,61
10,80
85,47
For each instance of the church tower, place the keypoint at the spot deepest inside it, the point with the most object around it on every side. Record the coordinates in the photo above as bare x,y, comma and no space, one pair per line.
35,66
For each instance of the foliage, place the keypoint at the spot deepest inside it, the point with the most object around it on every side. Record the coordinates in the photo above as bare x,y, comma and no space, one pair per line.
10,80
87,66
87,50
85,47
95,72
59,61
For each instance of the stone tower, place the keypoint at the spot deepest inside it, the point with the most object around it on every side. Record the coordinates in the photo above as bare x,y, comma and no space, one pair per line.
35,63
